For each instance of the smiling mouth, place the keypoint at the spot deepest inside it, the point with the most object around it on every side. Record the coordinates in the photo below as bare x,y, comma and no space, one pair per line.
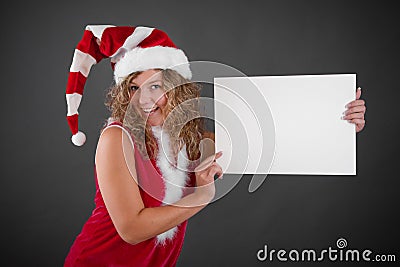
150,110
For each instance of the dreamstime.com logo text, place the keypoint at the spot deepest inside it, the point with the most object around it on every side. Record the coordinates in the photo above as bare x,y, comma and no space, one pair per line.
338,253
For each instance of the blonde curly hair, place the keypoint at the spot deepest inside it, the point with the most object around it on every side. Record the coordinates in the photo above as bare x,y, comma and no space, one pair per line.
184,123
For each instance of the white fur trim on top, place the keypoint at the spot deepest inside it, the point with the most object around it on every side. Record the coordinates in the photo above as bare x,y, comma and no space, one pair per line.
156,57
175,178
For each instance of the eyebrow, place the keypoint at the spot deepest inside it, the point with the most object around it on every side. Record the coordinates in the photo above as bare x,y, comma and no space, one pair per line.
153,81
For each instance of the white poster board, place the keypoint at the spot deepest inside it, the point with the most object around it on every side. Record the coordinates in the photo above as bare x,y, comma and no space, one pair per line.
310,137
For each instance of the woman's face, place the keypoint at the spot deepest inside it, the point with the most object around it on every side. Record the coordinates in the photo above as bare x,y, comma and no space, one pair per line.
149,96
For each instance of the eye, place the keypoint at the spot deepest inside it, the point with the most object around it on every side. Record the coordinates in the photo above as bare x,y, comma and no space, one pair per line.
134,87
155,86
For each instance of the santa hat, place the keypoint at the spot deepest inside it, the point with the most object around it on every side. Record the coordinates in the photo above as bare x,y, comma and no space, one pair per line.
130,49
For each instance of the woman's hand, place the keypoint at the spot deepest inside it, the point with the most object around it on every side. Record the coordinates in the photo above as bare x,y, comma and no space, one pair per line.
205,174
355,112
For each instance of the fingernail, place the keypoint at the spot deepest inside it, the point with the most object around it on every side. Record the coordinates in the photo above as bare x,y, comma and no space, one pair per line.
358,88
342,118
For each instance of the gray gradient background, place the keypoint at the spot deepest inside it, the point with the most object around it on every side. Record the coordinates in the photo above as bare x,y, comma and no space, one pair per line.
47,184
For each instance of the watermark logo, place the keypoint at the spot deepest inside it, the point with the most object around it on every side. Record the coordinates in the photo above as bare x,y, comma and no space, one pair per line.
241,110
341,243
339,253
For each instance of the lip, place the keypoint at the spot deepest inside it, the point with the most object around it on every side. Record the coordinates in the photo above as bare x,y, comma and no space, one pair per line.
149,111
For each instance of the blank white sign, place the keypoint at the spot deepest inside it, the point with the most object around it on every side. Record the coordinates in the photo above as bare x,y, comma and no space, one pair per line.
310,137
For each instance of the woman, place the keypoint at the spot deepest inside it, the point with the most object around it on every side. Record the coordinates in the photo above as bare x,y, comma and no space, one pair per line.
148,177
144,162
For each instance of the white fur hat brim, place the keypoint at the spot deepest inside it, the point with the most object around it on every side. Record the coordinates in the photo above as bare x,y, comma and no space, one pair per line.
156,57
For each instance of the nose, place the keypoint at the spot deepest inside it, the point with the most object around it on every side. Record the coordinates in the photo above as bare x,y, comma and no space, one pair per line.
144,97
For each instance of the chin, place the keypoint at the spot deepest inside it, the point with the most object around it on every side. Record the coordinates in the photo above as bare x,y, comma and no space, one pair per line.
155,123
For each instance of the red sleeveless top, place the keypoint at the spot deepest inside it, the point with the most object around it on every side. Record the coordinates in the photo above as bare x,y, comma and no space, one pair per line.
99,244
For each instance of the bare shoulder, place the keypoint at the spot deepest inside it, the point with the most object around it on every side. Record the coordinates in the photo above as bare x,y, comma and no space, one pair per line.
110,134
110,140
114,143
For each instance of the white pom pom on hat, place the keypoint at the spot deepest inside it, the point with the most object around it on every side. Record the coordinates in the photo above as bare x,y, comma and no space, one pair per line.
130,49
78,139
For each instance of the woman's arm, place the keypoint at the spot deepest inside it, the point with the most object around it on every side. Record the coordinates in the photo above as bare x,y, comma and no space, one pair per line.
134,222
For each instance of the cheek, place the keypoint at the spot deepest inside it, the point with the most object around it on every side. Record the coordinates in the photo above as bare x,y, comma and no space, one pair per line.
134,101
162,102
133,98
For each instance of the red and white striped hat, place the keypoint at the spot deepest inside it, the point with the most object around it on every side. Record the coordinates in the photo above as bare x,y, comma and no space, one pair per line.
130,49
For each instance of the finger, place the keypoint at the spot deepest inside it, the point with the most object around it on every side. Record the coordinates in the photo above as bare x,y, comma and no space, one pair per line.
218,175
355,109
208,161
359,122
204,164
214,156
218,155
215,170
354,103
214,166
351,116
359,127
358,93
